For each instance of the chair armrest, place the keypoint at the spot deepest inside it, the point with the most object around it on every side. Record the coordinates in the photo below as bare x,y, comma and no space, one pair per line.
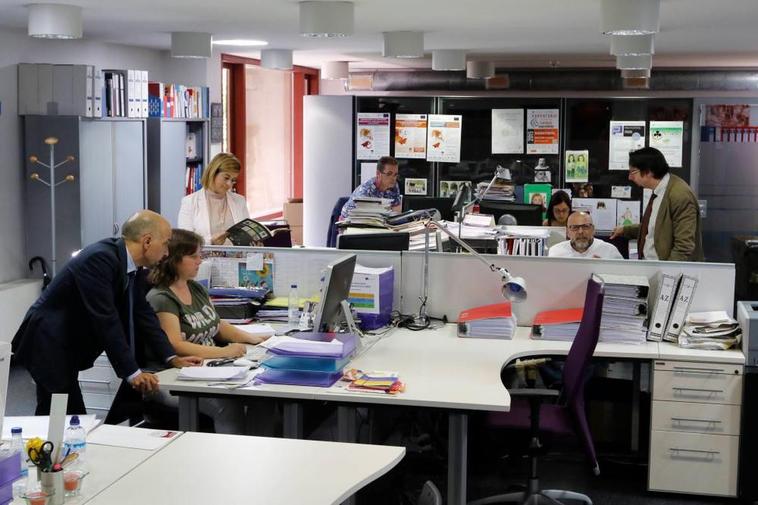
539,393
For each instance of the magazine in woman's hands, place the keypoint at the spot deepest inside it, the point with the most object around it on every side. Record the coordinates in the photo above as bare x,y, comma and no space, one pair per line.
248,233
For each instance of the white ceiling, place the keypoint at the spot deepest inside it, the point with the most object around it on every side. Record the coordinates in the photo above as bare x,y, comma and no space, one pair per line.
511,32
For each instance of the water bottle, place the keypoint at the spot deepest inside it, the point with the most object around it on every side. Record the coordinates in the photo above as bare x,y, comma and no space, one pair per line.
293,307
75,441
17,445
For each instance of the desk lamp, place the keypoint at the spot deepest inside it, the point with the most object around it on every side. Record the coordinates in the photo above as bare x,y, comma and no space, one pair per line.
513,288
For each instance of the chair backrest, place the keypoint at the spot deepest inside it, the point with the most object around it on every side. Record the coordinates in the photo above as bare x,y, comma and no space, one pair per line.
580,354
331,235
430,495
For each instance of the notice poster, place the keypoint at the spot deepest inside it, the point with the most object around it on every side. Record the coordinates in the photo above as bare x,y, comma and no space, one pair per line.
507,131
415,186
621,191
542,131
627,212
577,166
626,136
443,143
410,135
668,138
372,135
730,116
602,210
538,194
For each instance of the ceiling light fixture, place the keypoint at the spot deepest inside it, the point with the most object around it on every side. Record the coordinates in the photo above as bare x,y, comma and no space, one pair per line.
335,70
634,62
55,21
480,69
449,59
240,42
276,59
190,45
630,17
403,45
632,44
326,19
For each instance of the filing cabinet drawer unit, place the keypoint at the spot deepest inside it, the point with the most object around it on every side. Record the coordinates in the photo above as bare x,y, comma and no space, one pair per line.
695,427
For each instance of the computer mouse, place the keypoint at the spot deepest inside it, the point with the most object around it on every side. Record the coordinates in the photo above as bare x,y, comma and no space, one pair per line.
244,362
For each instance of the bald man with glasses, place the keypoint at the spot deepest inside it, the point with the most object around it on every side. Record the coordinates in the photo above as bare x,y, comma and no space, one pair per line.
581,241
382,185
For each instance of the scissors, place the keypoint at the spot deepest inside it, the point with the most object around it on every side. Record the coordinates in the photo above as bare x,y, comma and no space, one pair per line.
42,457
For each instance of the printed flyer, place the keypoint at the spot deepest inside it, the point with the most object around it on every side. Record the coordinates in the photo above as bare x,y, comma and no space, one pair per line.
372,135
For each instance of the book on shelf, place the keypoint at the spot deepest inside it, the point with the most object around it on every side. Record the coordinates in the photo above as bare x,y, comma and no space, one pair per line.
248,232
169,100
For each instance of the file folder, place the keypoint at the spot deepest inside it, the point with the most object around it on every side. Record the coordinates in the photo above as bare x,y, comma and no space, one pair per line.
681,307
662,299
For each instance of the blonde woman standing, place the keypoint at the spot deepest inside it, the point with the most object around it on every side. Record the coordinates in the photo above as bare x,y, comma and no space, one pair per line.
212,210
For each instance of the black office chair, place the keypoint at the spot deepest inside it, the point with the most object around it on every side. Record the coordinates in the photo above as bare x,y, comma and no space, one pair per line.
331,235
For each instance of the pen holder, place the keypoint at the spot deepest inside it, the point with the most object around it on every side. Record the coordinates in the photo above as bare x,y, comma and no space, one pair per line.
52,484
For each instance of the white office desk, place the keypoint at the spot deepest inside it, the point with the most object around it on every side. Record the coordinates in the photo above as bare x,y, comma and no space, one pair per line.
441,371
201,468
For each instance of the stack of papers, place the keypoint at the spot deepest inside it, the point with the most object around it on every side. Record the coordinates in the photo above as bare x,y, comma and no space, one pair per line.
369,212
373,382
624,317
557,324
258,329
710,330
501,190
300,346
213,373
488,321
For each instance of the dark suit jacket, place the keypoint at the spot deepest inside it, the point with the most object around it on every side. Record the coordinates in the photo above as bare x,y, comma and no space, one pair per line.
84,311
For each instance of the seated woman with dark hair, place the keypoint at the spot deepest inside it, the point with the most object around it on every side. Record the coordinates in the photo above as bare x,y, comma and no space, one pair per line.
187,315
559,209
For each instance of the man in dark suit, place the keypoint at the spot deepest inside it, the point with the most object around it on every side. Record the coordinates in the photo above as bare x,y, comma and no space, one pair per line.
97,303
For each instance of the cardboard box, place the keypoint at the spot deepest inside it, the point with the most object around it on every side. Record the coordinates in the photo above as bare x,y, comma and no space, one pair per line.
296,232
293,213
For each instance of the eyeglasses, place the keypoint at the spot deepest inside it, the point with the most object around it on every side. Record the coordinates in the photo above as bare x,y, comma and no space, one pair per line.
633,171
389,174
577,227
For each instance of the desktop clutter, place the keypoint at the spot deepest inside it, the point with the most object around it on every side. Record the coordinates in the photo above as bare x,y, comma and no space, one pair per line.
305,347
59,461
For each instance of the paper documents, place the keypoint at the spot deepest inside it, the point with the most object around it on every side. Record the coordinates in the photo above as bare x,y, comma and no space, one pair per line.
36,426
210,373
292,344
258,329
133,438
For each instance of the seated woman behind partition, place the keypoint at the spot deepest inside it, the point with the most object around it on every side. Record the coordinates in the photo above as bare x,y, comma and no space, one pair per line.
559,209
187,315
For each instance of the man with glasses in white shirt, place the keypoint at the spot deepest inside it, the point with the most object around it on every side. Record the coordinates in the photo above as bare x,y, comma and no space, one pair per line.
581,241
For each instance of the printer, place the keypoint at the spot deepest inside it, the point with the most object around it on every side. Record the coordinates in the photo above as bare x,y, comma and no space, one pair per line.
747,484
747,316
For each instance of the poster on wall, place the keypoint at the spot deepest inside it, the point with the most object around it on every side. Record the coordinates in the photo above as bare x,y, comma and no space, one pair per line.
443,142
627,212
450,188
730,116
415,186
668,138
577,166
507,131
602,210
625,137
410,135
372,135
542,131
538,194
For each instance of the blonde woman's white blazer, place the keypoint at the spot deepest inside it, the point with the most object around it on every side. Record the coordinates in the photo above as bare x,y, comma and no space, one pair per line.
194,216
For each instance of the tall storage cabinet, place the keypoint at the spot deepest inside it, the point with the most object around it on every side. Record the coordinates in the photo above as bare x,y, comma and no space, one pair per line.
108,186
169,161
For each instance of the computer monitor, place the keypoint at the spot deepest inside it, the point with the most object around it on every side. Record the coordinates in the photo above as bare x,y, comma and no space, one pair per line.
334,288
444,205
390,241
526,214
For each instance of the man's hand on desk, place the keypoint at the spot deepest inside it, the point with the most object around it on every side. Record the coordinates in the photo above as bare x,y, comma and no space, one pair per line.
145,382
182,361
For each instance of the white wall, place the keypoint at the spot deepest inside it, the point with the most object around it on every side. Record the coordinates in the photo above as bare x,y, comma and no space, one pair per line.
17,47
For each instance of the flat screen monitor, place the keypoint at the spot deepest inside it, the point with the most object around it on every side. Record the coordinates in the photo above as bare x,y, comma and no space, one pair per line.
392,241
444,205
334,288
526,214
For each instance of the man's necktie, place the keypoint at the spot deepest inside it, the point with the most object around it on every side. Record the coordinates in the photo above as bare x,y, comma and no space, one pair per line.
130,294
644,226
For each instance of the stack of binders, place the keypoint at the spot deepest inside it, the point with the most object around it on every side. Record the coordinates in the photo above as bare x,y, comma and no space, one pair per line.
624,315
670,300
557,324
487,321
310,359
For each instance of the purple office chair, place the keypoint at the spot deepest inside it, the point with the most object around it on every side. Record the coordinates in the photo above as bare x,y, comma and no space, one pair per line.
531,409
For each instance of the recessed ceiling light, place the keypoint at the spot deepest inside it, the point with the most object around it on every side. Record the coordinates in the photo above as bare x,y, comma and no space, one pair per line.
240,42
55,21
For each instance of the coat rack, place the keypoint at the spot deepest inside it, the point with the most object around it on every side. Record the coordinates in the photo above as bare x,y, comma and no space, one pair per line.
51,141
